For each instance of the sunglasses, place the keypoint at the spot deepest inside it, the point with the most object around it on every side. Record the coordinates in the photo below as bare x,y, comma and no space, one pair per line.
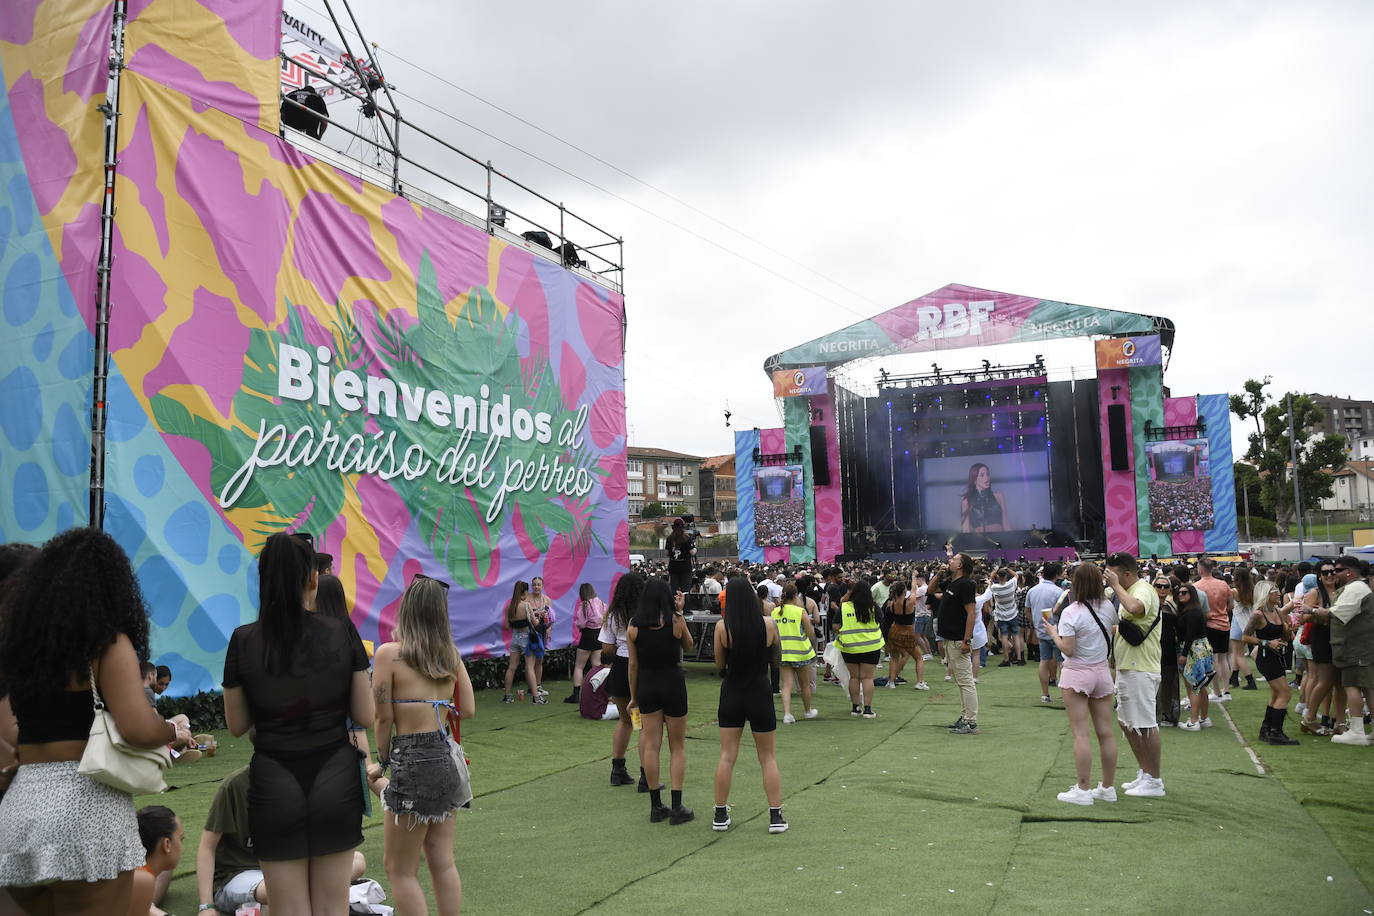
1161,585
1183,593
1328,572
419,576
304,536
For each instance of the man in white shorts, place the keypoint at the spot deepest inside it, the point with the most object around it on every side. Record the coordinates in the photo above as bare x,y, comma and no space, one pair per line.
1137,673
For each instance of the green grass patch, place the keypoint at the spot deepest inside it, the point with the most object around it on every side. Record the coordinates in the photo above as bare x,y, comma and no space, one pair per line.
888,815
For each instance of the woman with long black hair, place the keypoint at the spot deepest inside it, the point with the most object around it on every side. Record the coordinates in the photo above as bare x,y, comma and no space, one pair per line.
517,617
332,601
73,621
1194,656
615,628
656,638
297,677
745,643
860,640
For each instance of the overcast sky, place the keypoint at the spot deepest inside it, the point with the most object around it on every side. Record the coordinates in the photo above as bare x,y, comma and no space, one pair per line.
1209,162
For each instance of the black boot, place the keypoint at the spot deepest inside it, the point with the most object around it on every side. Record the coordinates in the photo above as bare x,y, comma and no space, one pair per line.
619,775
1268,725
575,697
1235,678
1276,735
1249,683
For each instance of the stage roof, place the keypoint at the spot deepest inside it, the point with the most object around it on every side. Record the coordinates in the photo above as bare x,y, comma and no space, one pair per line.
957,317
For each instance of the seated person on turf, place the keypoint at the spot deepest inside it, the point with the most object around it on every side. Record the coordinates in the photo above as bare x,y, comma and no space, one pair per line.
227,872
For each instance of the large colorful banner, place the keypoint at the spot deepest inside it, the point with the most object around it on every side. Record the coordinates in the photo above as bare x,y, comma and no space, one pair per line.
1127,352
791,383
295,350
958,316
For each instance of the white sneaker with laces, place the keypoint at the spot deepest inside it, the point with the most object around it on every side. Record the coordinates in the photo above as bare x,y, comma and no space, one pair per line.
789,719
1076,796
1224,698
1206,722
1104,793
1045,698
1185,703
1188,727
1131,784
921,685
1150,788
811,714
949,677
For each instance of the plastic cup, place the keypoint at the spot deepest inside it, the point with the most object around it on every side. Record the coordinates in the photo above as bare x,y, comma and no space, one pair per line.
635,720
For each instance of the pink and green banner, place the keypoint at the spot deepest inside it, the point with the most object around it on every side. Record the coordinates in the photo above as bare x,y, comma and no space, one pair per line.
291,349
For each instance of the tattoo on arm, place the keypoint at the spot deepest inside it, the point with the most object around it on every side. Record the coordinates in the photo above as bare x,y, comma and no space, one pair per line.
381,694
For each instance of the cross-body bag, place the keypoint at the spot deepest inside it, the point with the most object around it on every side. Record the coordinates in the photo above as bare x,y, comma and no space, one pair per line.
111,760
1131,631
1111,656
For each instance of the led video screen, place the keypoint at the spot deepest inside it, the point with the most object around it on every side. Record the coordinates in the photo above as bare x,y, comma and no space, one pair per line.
1180,487
982,494
780,506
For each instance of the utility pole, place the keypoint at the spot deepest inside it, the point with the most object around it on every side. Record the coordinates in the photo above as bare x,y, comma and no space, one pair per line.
1245,495
1297,488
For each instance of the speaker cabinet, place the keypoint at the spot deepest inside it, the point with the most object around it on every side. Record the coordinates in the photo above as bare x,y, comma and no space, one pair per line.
820,459
1116,434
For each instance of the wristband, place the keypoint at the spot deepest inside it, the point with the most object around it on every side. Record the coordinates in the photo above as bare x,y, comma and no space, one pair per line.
205,906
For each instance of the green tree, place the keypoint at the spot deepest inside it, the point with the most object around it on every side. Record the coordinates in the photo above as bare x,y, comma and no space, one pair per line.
653,510
1317,455
1248,487
1251,406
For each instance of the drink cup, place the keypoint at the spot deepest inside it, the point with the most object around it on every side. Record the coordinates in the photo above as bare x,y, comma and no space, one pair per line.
635,719
520,694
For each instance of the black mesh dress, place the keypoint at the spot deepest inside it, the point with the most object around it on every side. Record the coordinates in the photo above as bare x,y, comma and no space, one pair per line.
304,788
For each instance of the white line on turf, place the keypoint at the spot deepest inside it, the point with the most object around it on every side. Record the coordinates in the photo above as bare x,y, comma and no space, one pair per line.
1260,768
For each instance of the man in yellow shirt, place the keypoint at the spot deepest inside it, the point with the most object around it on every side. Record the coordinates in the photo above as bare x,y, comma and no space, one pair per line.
1137,673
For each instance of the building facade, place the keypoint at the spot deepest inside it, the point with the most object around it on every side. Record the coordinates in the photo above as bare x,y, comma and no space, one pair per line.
657,475
1352,490
718,488
1346,417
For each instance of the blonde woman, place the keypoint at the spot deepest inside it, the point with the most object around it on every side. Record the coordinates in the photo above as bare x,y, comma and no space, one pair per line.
417,677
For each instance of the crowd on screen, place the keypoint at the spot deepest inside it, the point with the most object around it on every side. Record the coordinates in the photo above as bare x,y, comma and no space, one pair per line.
778,524
1127,647
1181,505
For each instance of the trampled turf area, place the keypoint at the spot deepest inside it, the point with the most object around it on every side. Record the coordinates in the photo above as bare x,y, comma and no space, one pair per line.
890,815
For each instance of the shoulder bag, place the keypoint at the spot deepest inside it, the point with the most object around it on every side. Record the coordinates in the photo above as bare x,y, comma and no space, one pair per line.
111,760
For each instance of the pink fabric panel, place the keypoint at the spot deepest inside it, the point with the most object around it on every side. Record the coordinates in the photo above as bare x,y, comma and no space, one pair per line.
1183,412
1118,486
772,441
829,520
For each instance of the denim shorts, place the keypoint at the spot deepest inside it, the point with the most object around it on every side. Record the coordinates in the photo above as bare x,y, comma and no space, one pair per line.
424,779
238,890
1009,627
520,641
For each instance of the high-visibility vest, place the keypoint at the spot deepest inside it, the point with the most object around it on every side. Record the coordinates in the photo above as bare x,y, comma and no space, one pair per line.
855,637
795,646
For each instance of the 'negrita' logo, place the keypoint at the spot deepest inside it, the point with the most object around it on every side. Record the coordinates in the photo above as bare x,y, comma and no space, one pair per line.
799,378
1128,348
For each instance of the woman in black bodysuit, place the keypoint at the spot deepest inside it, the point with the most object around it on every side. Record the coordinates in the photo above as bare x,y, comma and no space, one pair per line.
296,677
1268,630
981,509
656,638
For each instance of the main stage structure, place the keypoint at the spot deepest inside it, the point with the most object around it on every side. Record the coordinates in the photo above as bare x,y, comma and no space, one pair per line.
1008,462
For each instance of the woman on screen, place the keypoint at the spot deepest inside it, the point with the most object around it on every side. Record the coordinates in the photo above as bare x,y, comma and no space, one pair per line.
982,509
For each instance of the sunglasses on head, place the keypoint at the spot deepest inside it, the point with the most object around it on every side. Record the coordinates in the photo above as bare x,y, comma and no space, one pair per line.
304,536
419,576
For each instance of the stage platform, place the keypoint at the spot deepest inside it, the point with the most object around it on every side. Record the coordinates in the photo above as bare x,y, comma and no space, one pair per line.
1028,555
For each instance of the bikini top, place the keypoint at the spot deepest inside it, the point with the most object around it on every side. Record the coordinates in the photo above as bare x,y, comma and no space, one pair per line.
440,707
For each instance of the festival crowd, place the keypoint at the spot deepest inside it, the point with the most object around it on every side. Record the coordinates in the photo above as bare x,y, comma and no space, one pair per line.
1129,647
1181,505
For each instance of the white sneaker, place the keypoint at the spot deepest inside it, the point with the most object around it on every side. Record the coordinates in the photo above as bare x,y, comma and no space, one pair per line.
891,685
949,677
1104,793
1150,788
1185,703
541,691
1224,698
811,714
1076,796
921,685
789,719
1206,722
927,657
1302,708
1350,736
1188,727
1131,784
1045,698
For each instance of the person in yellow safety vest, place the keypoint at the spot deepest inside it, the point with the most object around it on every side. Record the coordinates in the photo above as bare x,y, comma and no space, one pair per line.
798,639
861,641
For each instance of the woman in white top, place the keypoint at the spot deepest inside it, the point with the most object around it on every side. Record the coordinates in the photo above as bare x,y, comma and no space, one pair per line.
1243,591
1083,635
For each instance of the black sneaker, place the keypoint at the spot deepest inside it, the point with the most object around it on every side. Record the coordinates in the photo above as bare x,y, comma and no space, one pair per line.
680,815
856,711
1019,661
1053,682
721,820
1004,664
658,813
900,681
776,823
869,713
965,727
957,723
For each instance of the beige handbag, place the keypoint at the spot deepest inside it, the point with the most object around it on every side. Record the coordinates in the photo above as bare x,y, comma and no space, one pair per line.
109,759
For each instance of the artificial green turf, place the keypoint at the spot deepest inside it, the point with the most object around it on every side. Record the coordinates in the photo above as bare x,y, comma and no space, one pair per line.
889,815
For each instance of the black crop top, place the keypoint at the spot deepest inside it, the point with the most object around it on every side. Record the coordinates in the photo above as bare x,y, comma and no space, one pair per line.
64,717
302,709
657,649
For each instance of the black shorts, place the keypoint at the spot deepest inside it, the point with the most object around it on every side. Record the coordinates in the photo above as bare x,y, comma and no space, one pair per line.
752,703
306,805
1269,664
1320,643
862,658
1219,640
618,681
662,690
590,639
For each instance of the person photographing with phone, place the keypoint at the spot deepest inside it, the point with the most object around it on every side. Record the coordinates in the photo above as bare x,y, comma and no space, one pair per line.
958,616
1137,648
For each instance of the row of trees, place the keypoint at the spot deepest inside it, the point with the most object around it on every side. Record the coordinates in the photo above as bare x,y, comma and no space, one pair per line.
1265,477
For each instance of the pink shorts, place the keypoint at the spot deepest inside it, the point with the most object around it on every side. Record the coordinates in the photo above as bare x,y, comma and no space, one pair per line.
1090,680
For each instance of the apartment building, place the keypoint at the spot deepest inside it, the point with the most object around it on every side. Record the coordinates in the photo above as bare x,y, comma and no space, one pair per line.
662,476
718,488
1346,417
